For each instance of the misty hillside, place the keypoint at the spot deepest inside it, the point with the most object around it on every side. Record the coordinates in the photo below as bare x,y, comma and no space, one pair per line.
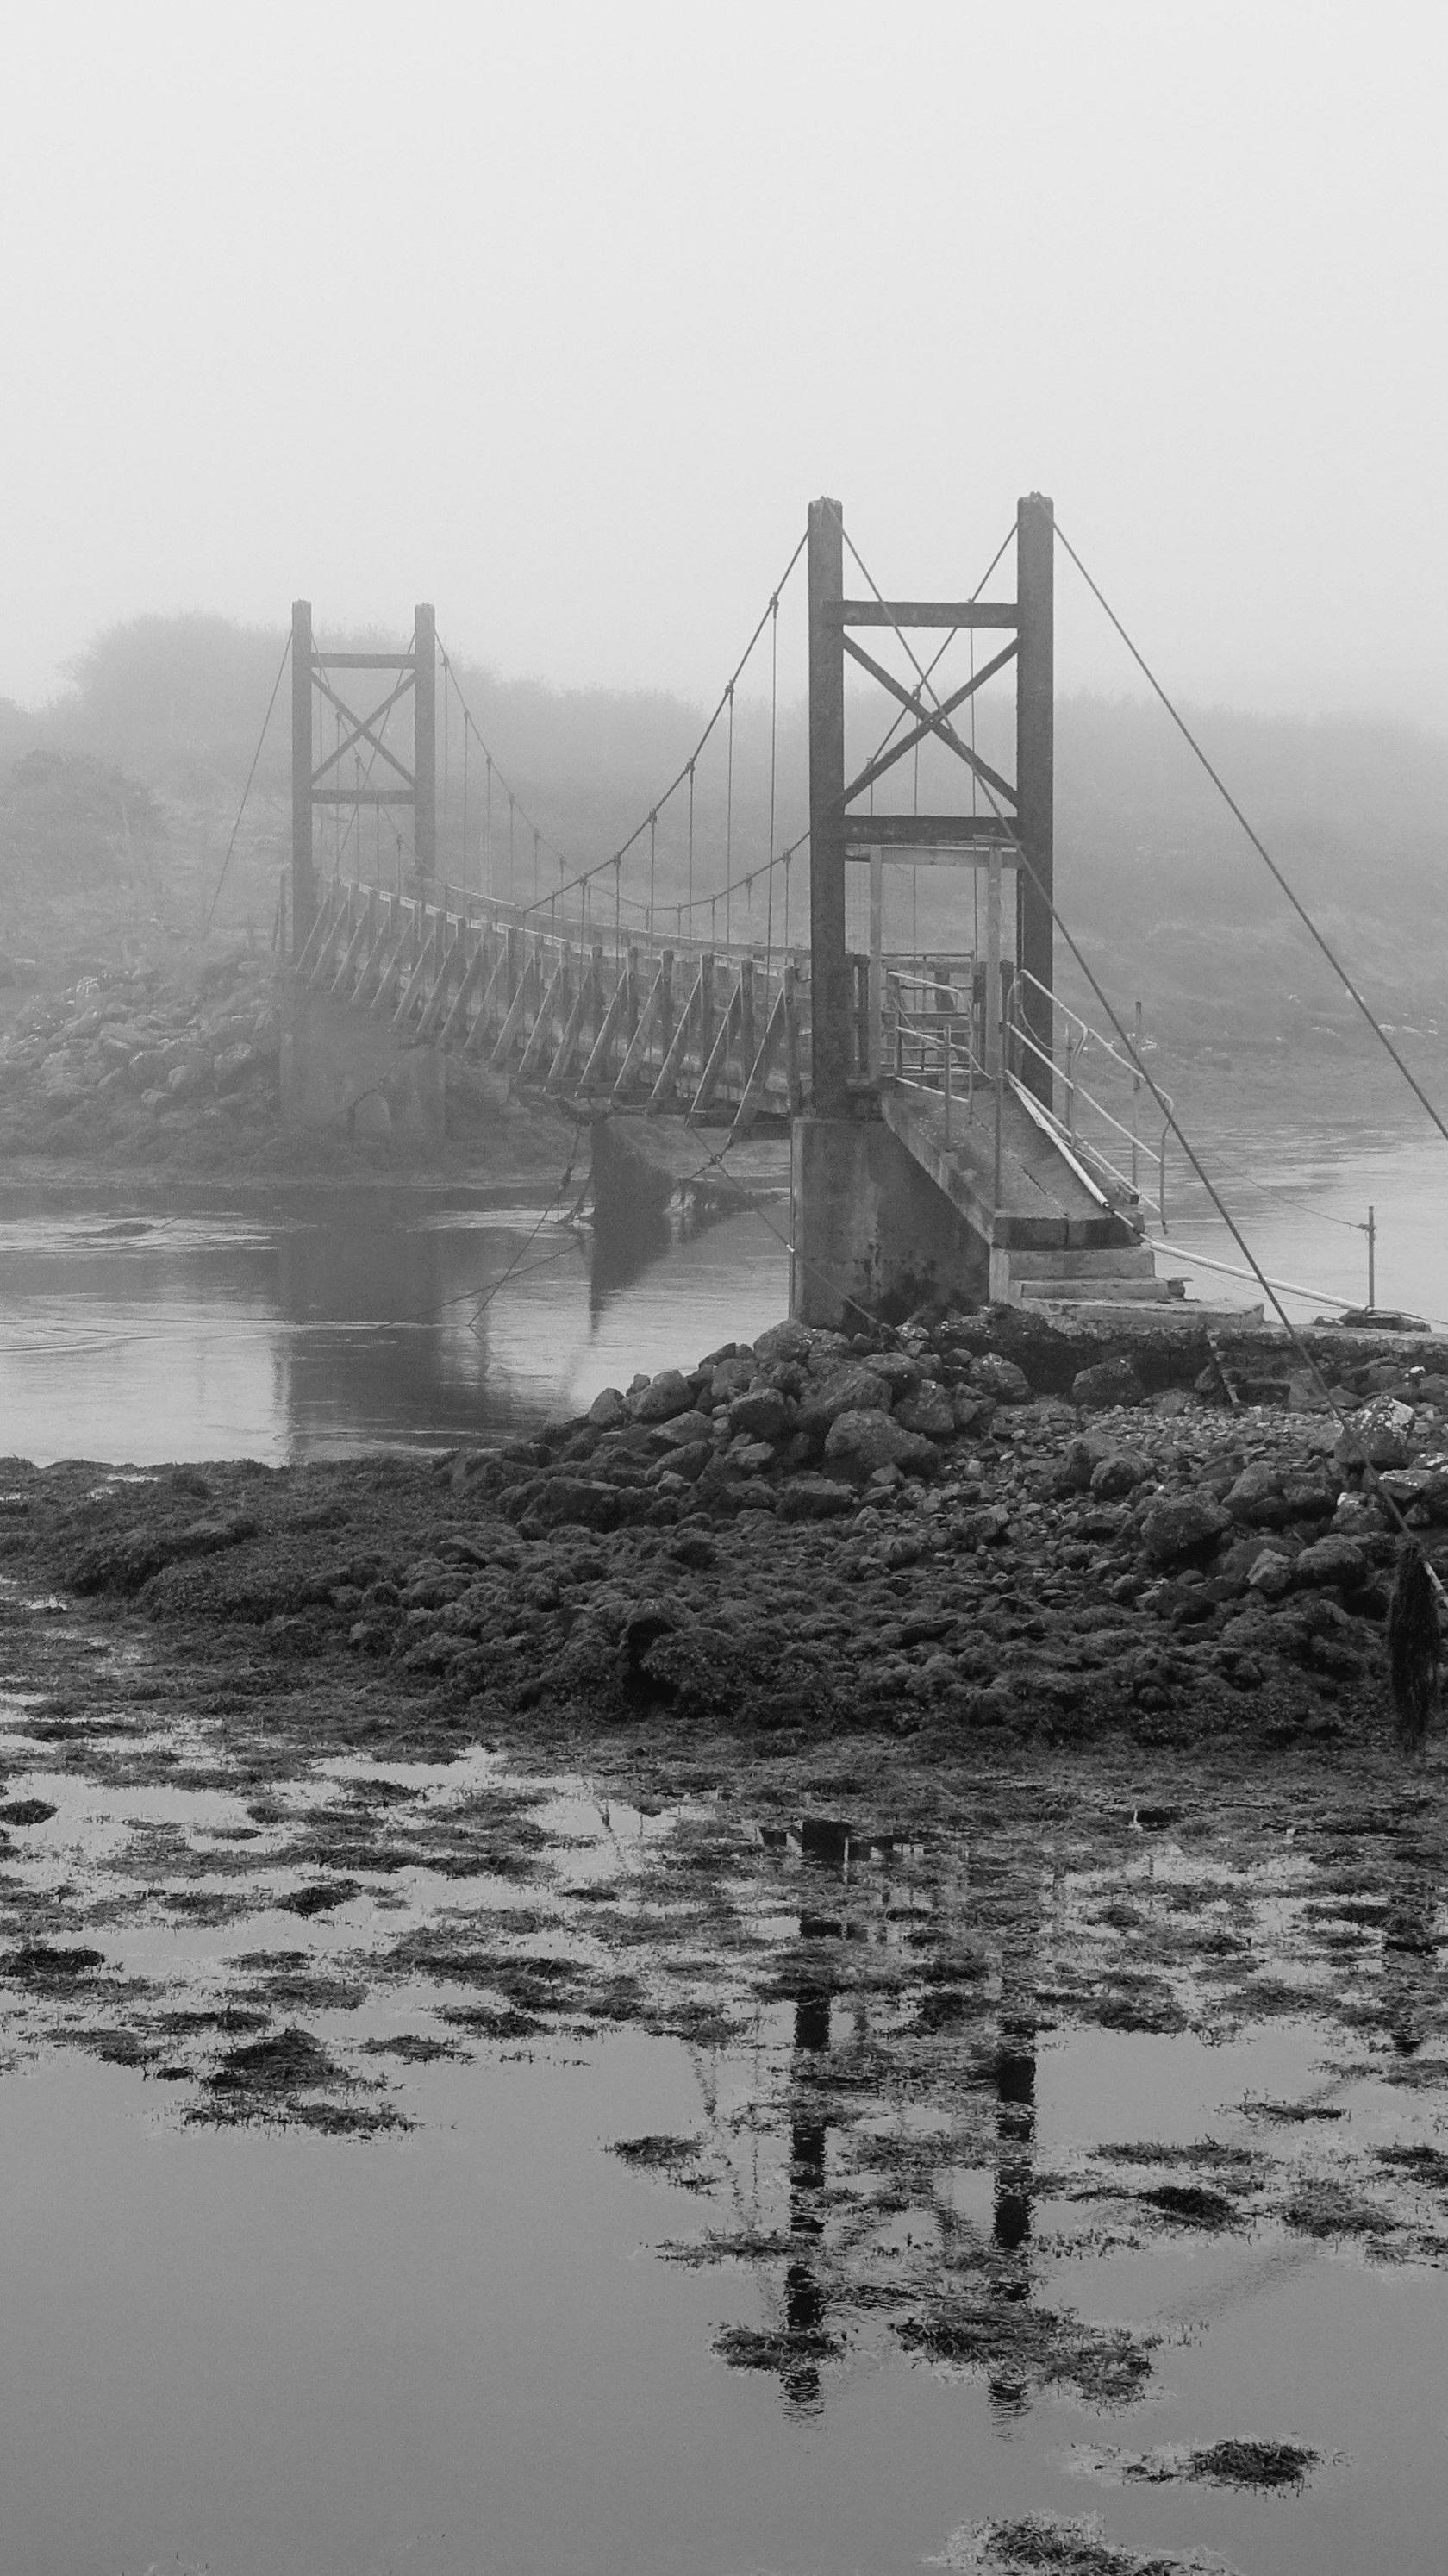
1153,874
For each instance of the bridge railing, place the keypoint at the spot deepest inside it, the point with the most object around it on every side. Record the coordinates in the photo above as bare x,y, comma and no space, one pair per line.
571,1007
1103,1106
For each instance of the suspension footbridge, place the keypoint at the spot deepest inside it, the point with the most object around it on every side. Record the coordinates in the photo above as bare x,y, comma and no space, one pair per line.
946,1139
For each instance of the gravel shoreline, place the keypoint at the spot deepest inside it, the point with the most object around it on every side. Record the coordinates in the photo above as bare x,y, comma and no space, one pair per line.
914,1535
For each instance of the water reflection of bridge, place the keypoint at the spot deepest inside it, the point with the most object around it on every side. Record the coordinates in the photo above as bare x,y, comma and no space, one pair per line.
954,2084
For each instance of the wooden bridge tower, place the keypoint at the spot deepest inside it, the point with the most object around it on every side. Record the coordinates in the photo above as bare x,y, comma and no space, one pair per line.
321,783
1022,812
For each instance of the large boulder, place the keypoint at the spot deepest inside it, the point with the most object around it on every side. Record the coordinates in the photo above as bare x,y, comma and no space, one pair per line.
1376,1436
1181,1526
789,1341
1109,1382
928,1410
762,1412
1120,1472
855,1389
861,1442
999,1378
1335,1560
663,1397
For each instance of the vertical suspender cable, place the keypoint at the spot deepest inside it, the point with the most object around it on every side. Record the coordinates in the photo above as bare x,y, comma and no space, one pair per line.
773,722
729,818
488,886
691,849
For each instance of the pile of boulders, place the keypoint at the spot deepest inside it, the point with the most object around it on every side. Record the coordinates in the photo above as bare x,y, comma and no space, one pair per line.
123,1051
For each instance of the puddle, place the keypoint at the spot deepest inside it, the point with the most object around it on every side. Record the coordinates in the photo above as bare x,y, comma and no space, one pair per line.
426,2166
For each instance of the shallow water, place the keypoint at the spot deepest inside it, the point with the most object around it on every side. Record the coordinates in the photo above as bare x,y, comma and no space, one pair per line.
380,1318
390,1318
468,2343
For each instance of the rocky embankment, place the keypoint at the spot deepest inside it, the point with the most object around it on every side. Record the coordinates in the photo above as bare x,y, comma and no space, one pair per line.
164,1071
142,1066
811,1536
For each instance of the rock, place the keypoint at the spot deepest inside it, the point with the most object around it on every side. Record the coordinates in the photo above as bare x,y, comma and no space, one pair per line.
608,1409
849,1390
682,1428
1257,1496
661,1397
926,1409
896,1369
827,1353
1000,1379
972,1412
1376,1436
149,1067
788,1341
371,1116
1335,1560
234,1065
1177,1527
1119,1473
814,1498
1109,1382
191,1079
751,1457
731,1377
862,1441
763,1413
1271,1574
691,1457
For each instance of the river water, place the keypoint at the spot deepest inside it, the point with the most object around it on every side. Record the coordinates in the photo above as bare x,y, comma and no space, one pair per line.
306,1327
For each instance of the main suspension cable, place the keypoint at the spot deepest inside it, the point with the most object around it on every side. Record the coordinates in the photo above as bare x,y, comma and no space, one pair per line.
1303,915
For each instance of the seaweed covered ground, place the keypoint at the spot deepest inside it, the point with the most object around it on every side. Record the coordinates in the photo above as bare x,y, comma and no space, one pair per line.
880,1726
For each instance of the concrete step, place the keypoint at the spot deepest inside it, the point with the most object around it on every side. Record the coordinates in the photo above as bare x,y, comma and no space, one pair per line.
1070,1261
1083,1292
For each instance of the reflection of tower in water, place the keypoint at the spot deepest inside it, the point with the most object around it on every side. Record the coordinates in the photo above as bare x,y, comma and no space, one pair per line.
966,2099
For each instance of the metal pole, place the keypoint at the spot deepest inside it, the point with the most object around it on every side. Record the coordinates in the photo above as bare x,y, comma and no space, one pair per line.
1035,758
1372,1234
993,963
1135,1094
877,972
829,969
947,1085
304,885
424,757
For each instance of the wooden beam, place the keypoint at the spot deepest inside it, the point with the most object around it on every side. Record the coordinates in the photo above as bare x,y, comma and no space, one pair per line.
655,1007
829,974
568,1043
364,661
662,1094
1035,764
752,1097
554,997
304,885
957,613
437,998
361,795
934,720
718,1056
416,979
456,1024
514,1014
424,743
865,832
907,742
595,1070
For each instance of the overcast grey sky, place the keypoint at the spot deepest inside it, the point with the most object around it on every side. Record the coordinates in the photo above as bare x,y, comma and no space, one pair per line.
560,315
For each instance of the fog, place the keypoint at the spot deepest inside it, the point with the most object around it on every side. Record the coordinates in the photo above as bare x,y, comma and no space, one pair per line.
560,317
